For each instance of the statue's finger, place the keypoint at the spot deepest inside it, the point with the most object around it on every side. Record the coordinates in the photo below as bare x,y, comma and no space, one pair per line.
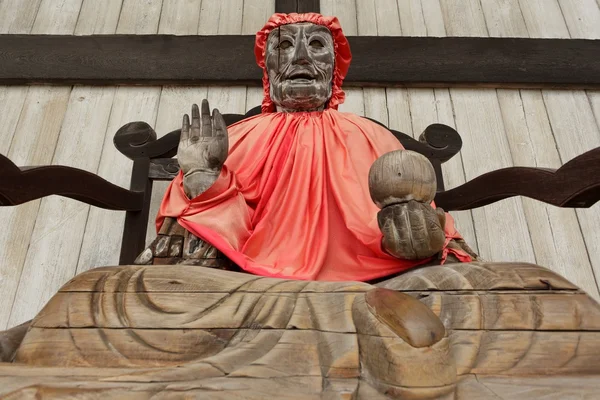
437,236
441,216
185,128
206,120
395,226
195,127
419,228
220,131
219,125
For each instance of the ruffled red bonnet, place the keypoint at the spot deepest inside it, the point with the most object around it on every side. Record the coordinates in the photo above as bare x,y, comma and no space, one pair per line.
341,48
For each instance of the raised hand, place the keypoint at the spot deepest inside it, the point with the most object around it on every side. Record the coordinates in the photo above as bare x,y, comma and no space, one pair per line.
203,149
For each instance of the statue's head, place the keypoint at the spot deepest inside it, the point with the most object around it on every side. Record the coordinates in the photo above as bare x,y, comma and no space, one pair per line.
299,60
305,58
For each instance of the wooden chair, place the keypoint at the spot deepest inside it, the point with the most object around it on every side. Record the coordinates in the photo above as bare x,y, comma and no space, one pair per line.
153,161
576,184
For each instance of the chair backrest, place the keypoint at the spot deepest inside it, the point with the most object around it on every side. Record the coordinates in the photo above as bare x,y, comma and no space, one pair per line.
153,161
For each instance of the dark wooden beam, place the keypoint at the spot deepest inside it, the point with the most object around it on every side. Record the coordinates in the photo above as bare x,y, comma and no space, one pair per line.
229,60
297,6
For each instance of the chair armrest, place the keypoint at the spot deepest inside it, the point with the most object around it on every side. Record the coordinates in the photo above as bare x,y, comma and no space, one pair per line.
20,185
574,185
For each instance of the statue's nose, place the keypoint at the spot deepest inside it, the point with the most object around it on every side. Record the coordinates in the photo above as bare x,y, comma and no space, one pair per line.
301,53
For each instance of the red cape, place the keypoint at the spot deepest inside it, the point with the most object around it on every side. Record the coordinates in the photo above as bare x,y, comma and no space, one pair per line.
293,201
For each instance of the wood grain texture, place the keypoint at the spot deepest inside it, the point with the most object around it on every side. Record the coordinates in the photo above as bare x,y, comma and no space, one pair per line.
175,245
525,353
427,105
503,18
33,143
56,17
582,18
479,276
228,22
244,326
194,327
139,17
24,116
56,239
37,381
354,102
10,341
140,103
87,117
255,15
424,61
17,16
574,128
179,17
557,238
85,382
11,104
578,129
502,231
345,11
544,19
419,104
481,387
525,311
98,17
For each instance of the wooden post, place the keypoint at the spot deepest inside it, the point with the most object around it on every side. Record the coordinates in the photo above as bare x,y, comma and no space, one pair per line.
134,231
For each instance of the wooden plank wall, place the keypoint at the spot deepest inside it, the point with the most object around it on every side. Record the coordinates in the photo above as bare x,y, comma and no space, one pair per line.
45,243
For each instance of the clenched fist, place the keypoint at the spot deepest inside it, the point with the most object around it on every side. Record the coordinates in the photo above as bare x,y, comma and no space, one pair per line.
402,183
412,230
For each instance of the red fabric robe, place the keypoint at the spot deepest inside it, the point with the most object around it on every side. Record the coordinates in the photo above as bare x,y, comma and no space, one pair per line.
292,200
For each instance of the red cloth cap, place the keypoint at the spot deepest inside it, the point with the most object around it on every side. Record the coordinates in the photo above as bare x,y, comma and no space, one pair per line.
343,56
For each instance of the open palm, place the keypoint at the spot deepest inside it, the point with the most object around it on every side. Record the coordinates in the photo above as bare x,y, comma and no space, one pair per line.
203,145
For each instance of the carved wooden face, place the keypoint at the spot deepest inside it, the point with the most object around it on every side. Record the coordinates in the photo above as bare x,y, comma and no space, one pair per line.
299,60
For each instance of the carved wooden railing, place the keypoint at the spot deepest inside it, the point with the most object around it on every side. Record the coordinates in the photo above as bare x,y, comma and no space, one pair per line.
575,184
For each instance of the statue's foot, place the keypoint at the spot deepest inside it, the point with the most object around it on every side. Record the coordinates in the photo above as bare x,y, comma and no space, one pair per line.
175,245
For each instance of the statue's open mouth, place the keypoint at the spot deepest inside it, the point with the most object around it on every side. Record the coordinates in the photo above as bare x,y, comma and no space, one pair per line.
301,77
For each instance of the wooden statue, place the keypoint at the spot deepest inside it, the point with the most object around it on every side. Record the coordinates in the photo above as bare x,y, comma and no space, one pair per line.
326,209
190,321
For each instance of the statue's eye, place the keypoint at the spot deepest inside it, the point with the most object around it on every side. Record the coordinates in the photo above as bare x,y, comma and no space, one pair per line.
315,43
285,44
